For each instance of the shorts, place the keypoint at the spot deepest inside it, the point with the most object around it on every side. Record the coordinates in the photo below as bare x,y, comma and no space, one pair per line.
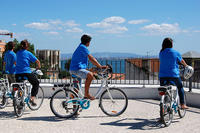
81,73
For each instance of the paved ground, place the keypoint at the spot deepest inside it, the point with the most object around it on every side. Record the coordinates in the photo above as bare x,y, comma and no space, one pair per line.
141,116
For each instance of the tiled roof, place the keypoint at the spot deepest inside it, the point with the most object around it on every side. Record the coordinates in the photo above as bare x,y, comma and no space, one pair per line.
191,54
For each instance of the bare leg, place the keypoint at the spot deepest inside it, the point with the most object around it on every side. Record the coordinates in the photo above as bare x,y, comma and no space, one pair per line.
87,85
32,98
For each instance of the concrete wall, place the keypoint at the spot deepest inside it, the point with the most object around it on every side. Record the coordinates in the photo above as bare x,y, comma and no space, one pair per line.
136,92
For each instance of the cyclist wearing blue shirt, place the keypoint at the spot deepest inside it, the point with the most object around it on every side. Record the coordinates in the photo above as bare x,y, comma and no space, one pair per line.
169,67
24,58
79,64
10,62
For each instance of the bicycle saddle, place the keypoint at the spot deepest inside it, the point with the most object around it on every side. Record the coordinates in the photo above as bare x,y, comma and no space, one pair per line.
164,88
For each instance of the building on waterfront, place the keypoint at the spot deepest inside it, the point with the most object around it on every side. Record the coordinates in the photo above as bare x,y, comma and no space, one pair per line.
148,68
2,47
53,59
142,68
192,58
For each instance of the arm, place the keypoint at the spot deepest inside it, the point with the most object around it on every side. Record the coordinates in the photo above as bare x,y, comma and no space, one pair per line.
183,62
94,61
38,64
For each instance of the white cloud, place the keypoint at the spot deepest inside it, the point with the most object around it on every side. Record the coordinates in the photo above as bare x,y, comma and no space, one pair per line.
110,25
14,24
39,26
53,25
107,22
162,29
71,23
75,29
99,25
140,21
115,30
55,22
51,33
114,19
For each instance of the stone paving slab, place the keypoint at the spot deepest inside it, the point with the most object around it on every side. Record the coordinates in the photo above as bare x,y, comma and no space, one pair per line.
141,116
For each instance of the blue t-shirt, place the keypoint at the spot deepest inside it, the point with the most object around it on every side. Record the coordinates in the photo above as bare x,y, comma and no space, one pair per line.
24,58
10,59
79,58
169,59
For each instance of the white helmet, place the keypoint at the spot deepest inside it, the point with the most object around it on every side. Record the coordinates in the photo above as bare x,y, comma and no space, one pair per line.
36,72
188,72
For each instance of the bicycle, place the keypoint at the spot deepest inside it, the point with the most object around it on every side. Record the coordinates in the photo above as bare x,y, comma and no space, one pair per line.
65,102
22,95
5,92
170,103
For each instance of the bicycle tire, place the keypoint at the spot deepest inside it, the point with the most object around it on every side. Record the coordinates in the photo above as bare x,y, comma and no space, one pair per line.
118,98
59,103
18,103
3,99
166,112
38,99
182,112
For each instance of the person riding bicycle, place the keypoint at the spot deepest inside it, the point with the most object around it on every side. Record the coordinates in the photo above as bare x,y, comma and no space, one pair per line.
79,64
10,62
24,58
169,68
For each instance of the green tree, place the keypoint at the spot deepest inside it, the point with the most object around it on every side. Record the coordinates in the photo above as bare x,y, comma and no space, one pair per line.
65,73
67,64
44,67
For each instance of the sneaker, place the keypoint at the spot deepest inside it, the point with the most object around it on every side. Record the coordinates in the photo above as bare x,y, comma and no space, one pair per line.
32,103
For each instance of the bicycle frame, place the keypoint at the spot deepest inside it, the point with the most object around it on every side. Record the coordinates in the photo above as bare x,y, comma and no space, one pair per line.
79,92
26,89
174,100
5,83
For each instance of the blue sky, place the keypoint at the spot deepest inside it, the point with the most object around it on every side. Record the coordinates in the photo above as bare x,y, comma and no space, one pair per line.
132,26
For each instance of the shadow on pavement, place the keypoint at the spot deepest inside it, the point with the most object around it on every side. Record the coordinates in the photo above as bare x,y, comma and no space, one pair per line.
140,124
46,118
92,116
7,115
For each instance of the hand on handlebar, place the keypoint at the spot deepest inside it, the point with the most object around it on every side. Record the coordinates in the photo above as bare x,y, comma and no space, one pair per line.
104,67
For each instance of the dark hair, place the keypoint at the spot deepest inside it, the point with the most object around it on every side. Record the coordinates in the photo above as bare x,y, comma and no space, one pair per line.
167,43
11,45
85,39
24,44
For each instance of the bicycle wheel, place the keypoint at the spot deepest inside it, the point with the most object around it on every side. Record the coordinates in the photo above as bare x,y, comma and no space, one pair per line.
64,103
3,98
166,112
113,102
182,112
38,99
18,103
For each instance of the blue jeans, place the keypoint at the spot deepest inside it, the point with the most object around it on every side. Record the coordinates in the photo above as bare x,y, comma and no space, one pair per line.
178,83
